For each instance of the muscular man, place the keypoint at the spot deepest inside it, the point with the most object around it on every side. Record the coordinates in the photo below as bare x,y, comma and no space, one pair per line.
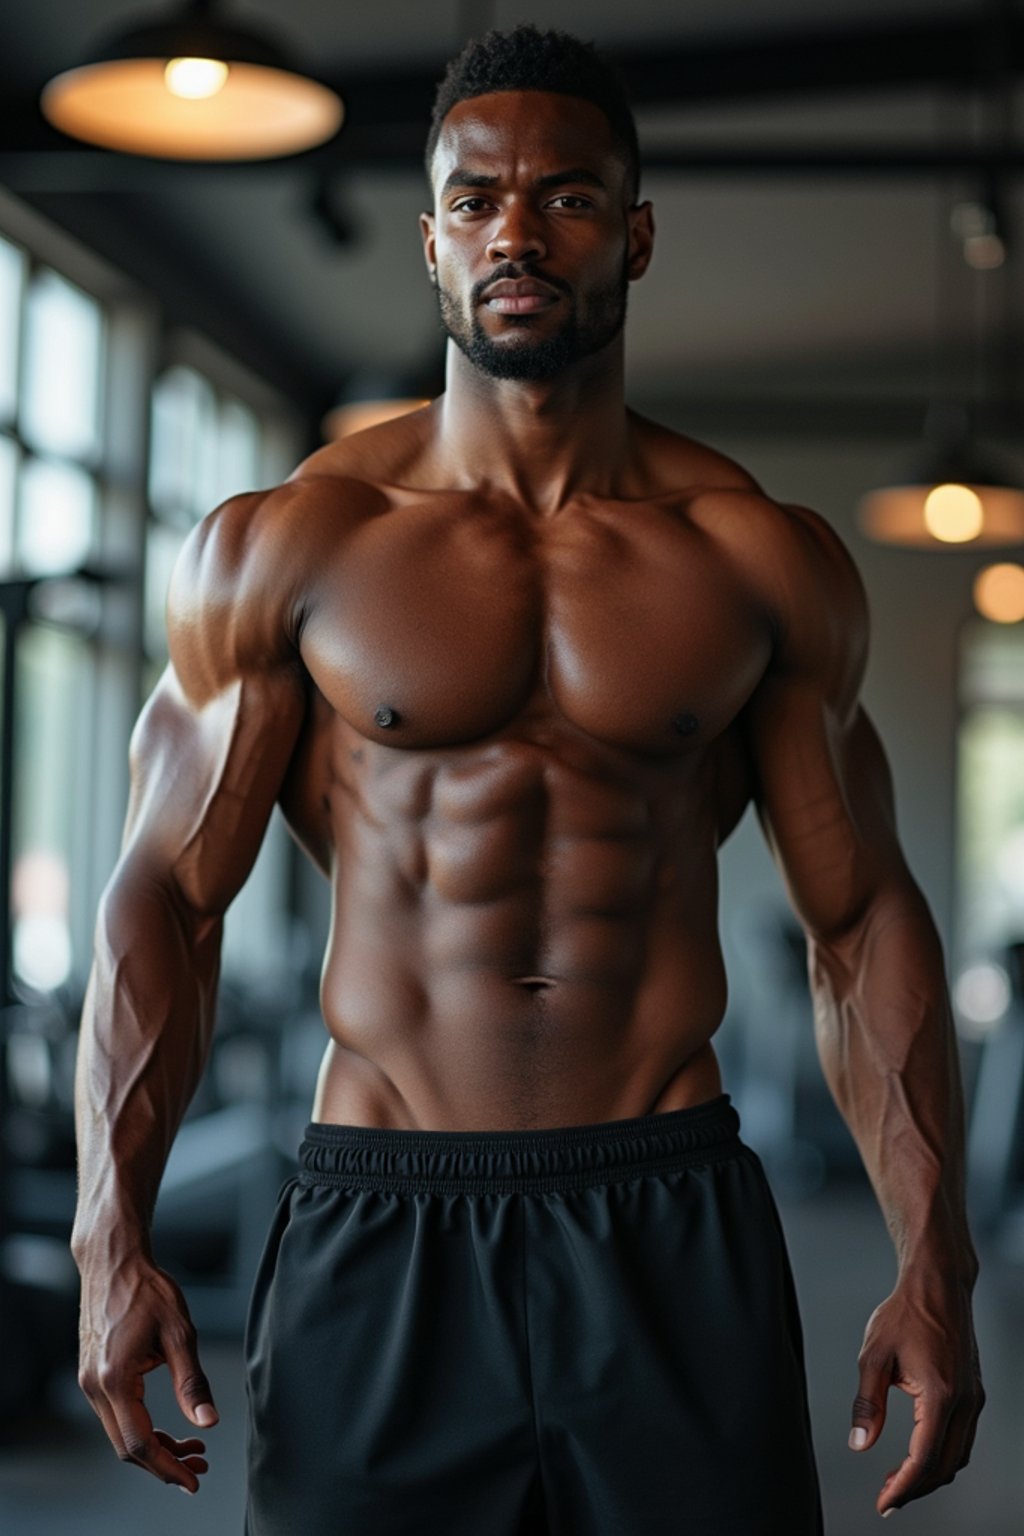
513,667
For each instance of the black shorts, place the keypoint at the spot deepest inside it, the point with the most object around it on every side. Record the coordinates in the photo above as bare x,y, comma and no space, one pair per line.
583,1331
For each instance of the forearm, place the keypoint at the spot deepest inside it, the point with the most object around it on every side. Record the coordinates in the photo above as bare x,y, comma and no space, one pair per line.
145,1034
885,1037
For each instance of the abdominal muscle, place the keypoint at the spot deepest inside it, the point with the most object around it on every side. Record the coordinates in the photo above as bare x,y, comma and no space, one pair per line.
437,1024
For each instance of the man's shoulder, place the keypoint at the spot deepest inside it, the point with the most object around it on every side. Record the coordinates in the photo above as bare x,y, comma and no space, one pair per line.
677,462
352,471
792,559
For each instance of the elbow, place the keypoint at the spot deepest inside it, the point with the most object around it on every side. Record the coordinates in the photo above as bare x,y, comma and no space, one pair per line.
894,898
889,911
138,889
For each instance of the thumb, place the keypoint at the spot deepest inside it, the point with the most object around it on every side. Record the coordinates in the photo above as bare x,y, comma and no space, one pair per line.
191,1387
868,1416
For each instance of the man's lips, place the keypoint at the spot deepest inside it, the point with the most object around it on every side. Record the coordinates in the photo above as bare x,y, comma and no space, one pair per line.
519,296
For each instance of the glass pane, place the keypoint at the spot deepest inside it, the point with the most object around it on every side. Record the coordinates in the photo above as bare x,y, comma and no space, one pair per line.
56,516
8,483
992,664
12,279
183,446
991,830
63,343
52,695
162,546
239,451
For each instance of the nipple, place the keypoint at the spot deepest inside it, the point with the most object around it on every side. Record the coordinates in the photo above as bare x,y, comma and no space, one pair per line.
685,724
386,716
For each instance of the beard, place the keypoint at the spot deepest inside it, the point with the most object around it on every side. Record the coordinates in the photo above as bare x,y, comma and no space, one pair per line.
586,328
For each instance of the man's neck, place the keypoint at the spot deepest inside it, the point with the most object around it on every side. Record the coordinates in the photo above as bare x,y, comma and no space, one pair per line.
540,442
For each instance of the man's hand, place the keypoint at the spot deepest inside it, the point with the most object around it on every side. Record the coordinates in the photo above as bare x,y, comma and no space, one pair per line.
921,1339
135,1318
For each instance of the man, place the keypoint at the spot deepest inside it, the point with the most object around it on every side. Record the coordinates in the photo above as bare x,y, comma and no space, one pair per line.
513,666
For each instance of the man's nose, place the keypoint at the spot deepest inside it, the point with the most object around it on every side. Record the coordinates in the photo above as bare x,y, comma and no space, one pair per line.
517,236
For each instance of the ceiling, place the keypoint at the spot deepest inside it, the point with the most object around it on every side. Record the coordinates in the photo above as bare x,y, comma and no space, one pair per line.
798,183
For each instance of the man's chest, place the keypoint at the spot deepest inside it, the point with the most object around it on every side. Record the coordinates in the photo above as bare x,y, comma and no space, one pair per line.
439,623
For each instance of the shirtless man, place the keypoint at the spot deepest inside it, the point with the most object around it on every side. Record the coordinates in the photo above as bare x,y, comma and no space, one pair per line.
513,667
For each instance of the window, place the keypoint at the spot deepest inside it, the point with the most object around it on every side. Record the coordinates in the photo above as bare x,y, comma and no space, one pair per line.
52,387
205,445
82,486
990,846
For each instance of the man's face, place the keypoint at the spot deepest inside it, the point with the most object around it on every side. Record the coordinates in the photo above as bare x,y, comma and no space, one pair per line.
532,242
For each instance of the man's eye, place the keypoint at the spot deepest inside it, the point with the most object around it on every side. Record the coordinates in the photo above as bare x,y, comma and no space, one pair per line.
469,205
570,199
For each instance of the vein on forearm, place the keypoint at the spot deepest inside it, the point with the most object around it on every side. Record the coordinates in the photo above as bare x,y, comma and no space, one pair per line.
885,1037
146,1027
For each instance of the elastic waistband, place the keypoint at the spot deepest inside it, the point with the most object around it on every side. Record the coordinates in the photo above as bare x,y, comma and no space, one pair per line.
480,1162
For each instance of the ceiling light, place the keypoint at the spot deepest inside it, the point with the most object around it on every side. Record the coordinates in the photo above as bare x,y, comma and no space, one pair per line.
192,88
377,395
951,493
358,415
999,593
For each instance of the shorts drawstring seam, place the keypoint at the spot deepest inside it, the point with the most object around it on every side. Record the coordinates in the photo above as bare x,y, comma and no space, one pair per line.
511,1183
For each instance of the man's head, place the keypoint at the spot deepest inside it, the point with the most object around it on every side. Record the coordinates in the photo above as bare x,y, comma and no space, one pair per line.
526,59
533,158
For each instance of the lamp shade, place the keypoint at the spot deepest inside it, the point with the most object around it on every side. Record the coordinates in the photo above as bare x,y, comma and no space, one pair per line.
947,495
163,90
375,395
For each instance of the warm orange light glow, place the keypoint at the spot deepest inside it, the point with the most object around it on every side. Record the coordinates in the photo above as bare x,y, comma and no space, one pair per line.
361,414
895,514
195,79
256,113
953,513
999,593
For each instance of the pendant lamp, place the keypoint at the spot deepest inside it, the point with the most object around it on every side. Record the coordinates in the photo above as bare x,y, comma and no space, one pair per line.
950,492
192,88
375,396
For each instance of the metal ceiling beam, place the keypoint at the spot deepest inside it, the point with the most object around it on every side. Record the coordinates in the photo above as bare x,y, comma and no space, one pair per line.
387,110
88,171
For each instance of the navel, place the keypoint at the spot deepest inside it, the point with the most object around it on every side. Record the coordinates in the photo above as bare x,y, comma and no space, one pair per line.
685,723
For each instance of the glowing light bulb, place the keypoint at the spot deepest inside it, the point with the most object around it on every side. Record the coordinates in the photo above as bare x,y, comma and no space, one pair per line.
953,513
195,79
999,593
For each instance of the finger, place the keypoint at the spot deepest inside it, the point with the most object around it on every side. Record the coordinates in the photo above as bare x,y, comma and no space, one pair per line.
140,1443
868,1412
186,1451
925,1455
960,1434
179,1447
106,1417
976,1407
191,1387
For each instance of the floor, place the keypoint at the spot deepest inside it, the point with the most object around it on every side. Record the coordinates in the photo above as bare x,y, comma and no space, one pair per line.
62,1477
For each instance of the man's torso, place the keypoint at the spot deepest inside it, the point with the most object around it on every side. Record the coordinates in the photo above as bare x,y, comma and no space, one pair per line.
522,749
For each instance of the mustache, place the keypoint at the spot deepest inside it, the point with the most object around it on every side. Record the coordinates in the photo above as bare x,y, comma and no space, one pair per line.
510,271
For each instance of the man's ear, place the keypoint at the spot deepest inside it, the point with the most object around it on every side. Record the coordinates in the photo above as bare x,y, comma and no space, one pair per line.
641,239
429,243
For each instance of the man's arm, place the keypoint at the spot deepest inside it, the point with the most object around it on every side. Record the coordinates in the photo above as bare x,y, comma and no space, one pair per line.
882,1017
208,755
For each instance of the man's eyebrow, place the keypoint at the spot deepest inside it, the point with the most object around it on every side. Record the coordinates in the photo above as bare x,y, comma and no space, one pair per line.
577,174
460,177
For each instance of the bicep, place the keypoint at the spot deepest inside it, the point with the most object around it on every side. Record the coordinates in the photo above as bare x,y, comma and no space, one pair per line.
823,788
823,793
204,781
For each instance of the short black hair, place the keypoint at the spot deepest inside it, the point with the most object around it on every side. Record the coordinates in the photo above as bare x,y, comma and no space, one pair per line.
526,59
